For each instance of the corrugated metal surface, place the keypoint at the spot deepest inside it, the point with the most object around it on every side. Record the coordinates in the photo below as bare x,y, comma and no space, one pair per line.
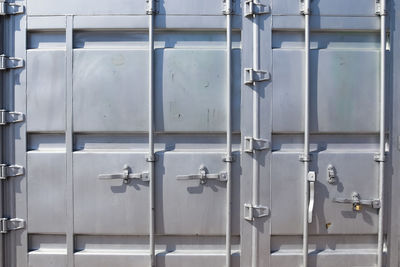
105,84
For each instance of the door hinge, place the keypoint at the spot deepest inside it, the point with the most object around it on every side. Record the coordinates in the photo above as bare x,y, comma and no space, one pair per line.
7,117
252,144
11,8
10,171
252,76
254,212
253,7
7,225
151,8
10,62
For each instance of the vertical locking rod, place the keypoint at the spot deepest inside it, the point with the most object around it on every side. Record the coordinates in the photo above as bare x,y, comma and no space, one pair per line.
256,134
151,157
306,152
382,132
228,131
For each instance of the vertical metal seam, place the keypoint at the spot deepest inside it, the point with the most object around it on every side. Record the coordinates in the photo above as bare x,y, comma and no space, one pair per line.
151,155
382,132
69,140
306,152
256,134
2,156
228,132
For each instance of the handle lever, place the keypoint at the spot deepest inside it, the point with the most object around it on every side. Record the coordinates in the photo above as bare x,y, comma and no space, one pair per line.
357,202
126,175
311,179
204,176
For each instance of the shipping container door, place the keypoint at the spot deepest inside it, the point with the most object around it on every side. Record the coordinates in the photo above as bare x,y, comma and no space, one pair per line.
175,134
91,182
330,183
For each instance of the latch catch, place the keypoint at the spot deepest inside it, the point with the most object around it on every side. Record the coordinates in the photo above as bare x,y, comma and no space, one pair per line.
254,212
357,202
253,7
255,144
7,225
10,62
227,7
252,76
303,10
378,8
204,176
151,8
10,171
11,8
7,117
126,175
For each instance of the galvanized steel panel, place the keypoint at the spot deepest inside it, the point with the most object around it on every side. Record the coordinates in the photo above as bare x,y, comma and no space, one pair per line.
84,92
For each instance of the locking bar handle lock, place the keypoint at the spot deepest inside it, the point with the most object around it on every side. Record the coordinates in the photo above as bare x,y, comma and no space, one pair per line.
126,175
204,176
357,202
311,180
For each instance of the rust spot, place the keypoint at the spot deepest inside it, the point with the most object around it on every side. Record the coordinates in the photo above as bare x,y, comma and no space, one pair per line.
327,225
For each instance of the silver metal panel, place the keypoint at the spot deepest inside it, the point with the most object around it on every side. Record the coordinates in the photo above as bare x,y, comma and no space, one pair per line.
46,93
190,91
46,192
185,207
326,7
356,172
125,7
339,102
47,260
109,93
90,7
105,206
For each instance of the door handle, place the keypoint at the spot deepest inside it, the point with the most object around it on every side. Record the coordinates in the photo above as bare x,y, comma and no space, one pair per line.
357,202
126,175
204,176
311,180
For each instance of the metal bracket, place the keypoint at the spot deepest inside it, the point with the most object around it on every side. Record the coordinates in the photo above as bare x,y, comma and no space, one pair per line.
126,175
357,202
151,8
204,176
378,8
252,76
254,212
7,225
252,144
151,158
305,158
253,7
10,62
227,9
331,171
11,8
228,159
7,117
379,158
10,171
303,10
